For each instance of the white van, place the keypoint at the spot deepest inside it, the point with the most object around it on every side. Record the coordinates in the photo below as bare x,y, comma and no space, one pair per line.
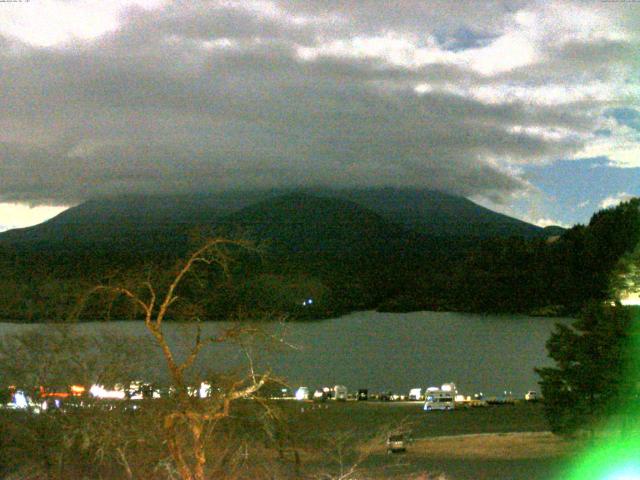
303,393
415,394
438,400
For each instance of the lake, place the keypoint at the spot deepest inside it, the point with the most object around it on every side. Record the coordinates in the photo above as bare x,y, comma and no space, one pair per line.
378,351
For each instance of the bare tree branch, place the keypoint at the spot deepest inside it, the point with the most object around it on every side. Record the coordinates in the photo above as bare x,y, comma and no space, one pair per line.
191,416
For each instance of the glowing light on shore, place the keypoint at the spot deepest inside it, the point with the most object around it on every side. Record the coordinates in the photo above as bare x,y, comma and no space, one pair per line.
99,391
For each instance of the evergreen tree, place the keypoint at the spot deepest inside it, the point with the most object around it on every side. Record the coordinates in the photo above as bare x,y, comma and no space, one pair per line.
591,379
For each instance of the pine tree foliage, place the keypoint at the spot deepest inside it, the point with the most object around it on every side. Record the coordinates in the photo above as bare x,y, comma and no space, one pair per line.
592,379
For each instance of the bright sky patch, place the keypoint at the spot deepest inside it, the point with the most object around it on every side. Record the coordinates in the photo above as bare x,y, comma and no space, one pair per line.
17,215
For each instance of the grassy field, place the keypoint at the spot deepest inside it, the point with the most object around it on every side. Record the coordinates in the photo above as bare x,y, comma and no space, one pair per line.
302,440
496,442
367,418
516,456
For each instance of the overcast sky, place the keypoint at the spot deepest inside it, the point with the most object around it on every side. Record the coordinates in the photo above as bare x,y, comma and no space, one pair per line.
531,108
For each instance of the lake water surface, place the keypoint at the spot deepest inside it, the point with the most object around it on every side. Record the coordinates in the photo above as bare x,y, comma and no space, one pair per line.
380,351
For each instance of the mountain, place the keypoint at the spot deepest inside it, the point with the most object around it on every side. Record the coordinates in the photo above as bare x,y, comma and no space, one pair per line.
300,222
149,220
314,241
391,249
132,218
343,255
439,214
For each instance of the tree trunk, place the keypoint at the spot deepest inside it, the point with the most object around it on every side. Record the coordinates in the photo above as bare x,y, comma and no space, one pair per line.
176,449
198,448
180,447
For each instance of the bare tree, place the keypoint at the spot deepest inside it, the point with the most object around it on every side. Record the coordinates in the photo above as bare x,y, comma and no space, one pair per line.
187,423
54,444
59,355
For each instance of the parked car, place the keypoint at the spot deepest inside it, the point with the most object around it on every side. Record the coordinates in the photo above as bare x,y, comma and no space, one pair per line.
505,399
395,443
320,395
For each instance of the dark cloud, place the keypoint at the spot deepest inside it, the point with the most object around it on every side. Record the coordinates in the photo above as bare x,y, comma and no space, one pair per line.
199,97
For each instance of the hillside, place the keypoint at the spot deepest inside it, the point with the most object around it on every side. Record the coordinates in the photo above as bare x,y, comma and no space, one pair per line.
439,214
142,221
389,249
300,222
132,219
350,256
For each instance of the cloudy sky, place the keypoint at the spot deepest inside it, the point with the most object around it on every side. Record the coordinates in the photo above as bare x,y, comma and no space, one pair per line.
529,107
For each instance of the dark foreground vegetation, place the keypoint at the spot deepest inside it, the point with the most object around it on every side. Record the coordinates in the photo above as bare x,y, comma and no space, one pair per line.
294,440
336,252
234,431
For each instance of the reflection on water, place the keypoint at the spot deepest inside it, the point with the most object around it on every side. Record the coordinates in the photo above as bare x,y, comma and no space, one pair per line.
380,351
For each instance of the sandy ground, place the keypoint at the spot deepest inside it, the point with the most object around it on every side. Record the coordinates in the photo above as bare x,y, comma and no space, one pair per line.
501,456
511,446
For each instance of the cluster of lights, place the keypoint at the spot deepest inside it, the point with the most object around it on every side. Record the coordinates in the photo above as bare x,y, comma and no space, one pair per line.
135,391
98,391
